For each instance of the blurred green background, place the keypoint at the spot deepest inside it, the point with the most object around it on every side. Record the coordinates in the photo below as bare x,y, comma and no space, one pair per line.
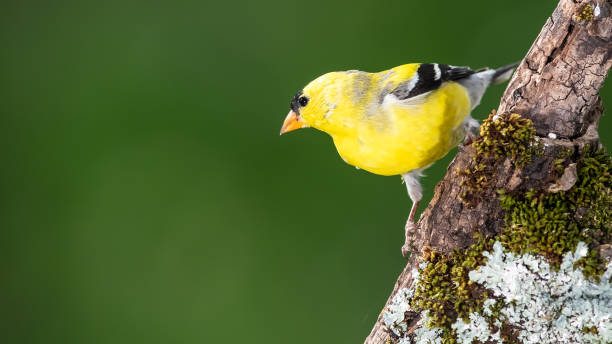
147,196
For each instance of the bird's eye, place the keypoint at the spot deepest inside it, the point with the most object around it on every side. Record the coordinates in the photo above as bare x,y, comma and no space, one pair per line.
303,101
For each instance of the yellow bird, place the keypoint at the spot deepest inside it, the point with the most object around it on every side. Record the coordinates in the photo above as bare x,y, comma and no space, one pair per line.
395,122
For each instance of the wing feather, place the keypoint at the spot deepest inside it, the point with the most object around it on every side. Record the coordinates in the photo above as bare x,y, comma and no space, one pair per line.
429,77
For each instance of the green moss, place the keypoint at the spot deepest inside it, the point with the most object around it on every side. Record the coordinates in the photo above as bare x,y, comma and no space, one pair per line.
446,292
585,14
551,224
508,333
509,136
445,289
592,265
563,159
536,222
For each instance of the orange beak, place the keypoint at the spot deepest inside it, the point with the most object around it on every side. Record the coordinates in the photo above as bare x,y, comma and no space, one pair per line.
292,122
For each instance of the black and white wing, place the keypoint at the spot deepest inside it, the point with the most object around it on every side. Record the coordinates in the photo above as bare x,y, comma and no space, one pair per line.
428,77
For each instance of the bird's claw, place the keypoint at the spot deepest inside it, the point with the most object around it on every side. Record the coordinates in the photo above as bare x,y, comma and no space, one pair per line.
405,250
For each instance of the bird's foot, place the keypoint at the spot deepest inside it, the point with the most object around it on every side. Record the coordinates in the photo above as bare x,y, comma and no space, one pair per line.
410,230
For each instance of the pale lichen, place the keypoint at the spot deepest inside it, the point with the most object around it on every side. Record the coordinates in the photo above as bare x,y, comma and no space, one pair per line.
542,303
549,305
424,334
543,279
394,317
477,328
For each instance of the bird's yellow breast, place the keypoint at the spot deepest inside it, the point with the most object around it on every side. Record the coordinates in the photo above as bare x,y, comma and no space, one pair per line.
394,139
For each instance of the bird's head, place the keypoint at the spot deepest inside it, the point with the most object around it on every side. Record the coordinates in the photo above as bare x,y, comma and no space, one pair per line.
314,105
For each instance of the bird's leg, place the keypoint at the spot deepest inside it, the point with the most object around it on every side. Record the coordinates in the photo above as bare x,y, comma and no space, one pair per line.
409,229
413,210
415,191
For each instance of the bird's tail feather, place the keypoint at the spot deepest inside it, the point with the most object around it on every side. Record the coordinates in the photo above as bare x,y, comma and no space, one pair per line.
503,73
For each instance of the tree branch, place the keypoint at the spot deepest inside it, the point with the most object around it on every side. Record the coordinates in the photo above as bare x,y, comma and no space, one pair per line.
557,87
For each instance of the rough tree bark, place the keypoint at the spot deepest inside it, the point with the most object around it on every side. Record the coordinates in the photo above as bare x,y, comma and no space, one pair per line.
556,86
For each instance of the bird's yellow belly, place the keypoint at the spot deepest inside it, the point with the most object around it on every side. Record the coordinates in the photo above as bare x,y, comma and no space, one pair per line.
395,155
414,137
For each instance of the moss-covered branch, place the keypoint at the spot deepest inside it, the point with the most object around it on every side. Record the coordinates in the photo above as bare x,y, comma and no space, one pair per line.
531,199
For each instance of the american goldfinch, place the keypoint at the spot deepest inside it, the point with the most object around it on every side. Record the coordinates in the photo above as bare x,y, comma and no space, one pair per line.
395,122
